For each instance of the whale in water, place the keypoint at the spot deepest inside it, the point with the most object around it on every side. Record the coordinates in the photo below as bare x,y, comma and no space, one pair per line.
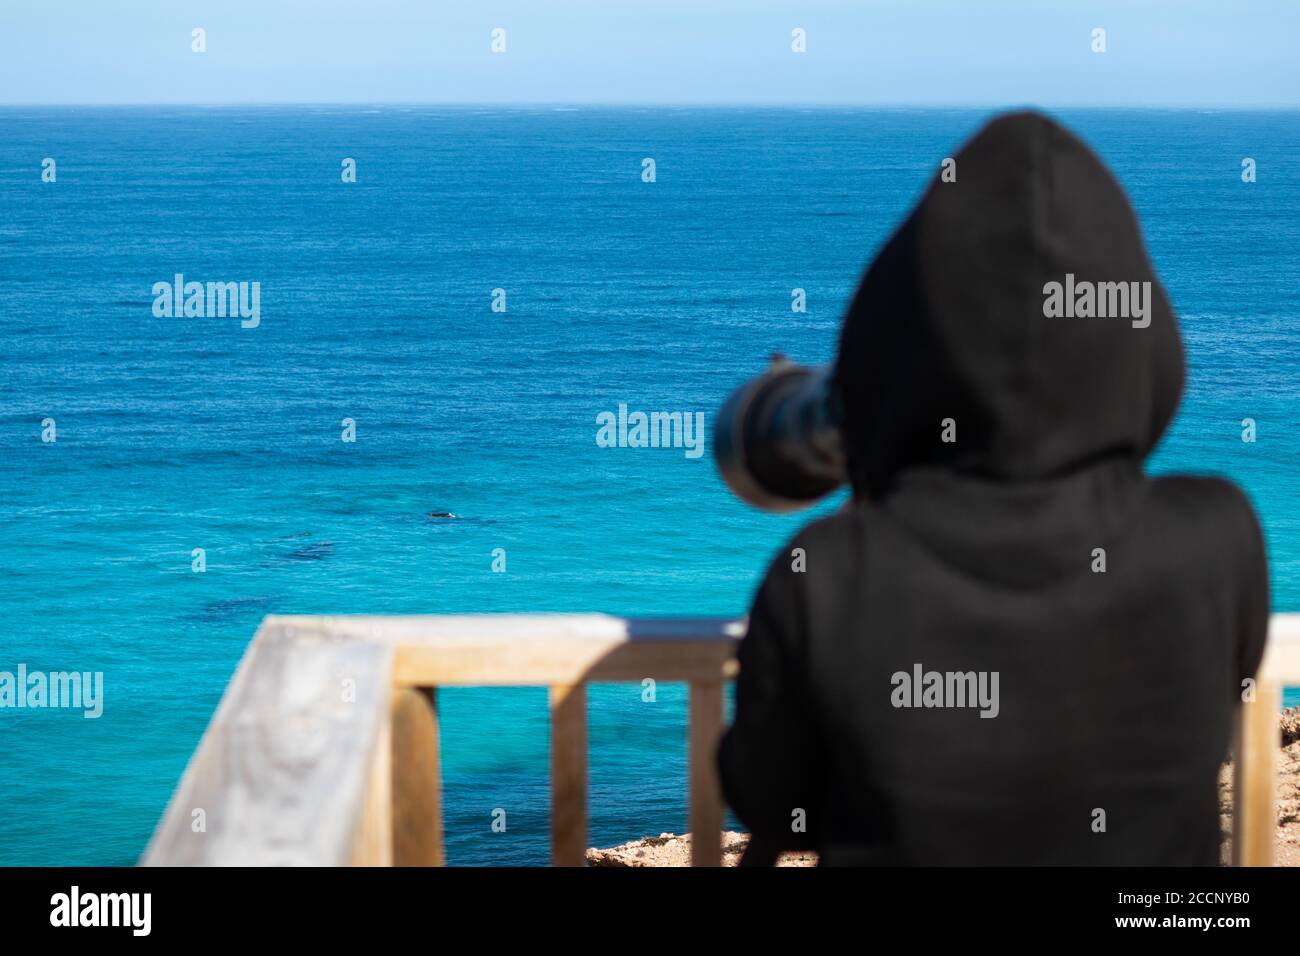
441,514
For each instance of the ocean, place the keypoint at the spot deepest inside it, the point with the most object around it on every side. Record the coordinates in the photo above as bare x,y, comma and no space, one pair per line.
376,305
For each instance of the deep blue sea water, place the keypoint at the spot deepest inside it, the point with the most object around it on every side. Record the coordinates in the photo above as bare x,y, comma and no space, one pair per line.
175,434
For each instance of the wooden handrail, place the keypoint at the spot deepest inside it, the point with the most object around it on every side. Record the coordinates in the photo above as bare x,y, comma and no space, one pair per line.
324,749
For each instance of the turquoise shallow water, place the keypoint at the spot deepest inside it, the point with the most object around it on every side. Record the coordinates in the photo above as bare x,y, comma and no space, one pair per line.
182,433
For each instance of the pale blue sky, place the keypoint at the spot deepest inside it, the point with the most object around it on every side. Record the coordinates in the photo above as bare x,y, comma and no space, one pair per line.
1233,53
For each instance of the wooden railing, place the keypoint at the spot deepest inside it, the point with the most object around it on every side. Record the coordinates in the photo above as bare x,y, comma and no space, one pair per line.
324,749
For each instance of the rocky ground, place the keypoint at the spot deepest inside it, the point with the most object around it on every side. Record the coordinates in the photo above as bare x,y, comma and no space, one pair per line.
668,849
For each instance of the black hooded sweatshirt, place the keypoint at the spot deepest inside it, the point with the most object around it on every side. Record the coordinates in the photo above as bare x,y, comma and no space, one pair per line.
1002,529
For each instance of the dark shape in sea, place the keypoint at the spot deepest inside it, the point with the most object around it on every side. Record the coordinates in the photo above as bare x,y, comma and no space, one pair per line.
223,610
312,552
441,514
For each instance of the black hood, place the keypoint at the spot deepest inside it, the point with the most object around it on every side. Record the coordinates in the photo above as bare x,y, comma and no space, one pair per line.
949,322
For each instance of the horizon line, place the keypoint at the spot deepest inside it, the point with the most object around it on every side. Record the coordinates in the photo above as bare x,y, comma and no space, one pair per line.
569,104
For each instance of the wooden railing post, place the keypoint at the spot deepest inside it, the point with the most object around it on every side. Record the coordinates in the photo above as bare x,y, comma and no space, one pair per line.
568,775
372,845
706,795
417,784
1254,769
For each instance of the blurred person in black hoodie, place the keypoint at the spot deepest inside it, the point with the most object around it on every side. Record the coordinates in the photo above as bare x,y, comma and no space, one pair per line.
1012,647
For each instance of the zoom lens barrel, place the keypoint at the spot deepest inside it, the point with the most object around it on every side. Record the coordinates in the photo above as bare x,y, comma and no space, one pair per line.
777,441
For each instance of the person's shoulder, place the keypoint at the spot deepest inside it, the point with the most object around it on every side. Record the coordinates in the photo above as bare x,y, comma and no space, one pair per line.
1218,504
1211,494
823,550
843,528
811,568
